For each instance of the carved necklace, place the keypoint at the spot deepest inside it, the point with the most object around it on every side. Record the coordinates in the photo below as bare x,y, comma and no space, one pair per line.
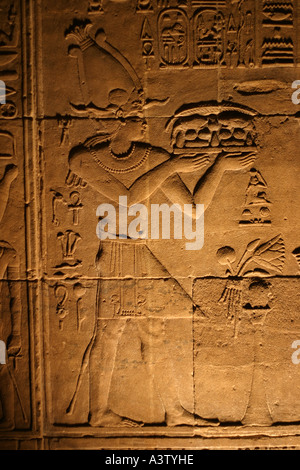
121,170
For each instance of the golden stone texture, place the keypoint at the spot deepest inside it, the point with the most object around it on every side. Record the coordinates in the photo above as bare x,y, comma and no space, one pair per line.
142,343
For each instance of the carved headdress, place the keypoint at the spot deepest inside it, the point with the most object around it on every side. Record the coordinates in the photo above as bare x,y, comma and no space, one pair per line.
109,85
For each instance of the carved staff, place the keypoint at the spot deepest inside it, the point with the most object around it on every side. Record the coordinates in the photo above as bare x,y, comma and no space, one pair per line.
13,379
83,367
84,363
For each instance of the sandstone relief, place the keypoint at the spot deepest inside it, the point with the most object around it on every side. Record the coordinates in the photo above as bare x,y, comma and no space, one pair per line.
149,210
13,407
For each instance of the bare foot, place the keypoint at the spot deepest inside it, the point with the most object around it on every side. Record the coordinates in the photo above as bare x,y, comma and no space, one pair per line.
185,418
110,419
7,425
129,423
205,422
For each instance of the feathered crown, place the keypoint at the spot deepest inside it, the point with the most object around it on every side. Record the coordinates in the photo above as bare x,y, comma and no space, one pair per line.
109,85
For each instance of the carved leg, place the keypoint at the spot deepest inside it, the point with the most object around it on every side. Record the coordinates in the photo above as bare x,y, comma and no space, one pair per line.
10,174
159,358
102,360
160,366
7,399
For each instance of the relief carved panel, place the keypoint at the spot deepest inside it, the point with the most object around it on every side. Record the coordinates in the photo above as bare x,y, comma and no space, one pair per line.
149,249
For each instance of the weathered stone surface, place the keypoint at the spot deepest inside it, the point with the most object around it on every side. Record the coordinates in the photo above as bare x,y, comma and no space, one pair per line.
150,339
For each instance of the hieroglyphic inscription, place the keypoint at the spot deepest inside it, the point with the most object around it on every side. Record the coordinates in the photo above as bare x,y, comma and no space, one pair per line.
256,208
210,34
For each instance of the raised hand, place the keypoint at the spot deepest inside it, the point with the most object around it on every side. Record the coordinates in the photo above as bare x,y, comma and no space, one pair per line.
237,161
190,163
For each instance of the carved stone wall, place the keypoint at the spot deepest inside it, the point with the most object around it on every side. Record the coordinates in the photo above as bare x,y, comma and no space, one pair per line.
117,334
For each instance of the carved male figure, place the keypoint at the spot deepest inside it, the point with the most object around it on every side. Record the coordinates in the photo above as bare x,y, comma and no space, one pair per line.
118,163
10,321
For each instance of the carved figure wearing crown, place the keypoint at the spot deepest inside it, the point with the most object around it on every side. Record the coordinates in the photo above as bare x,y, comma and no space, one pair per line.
118,161
10,321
